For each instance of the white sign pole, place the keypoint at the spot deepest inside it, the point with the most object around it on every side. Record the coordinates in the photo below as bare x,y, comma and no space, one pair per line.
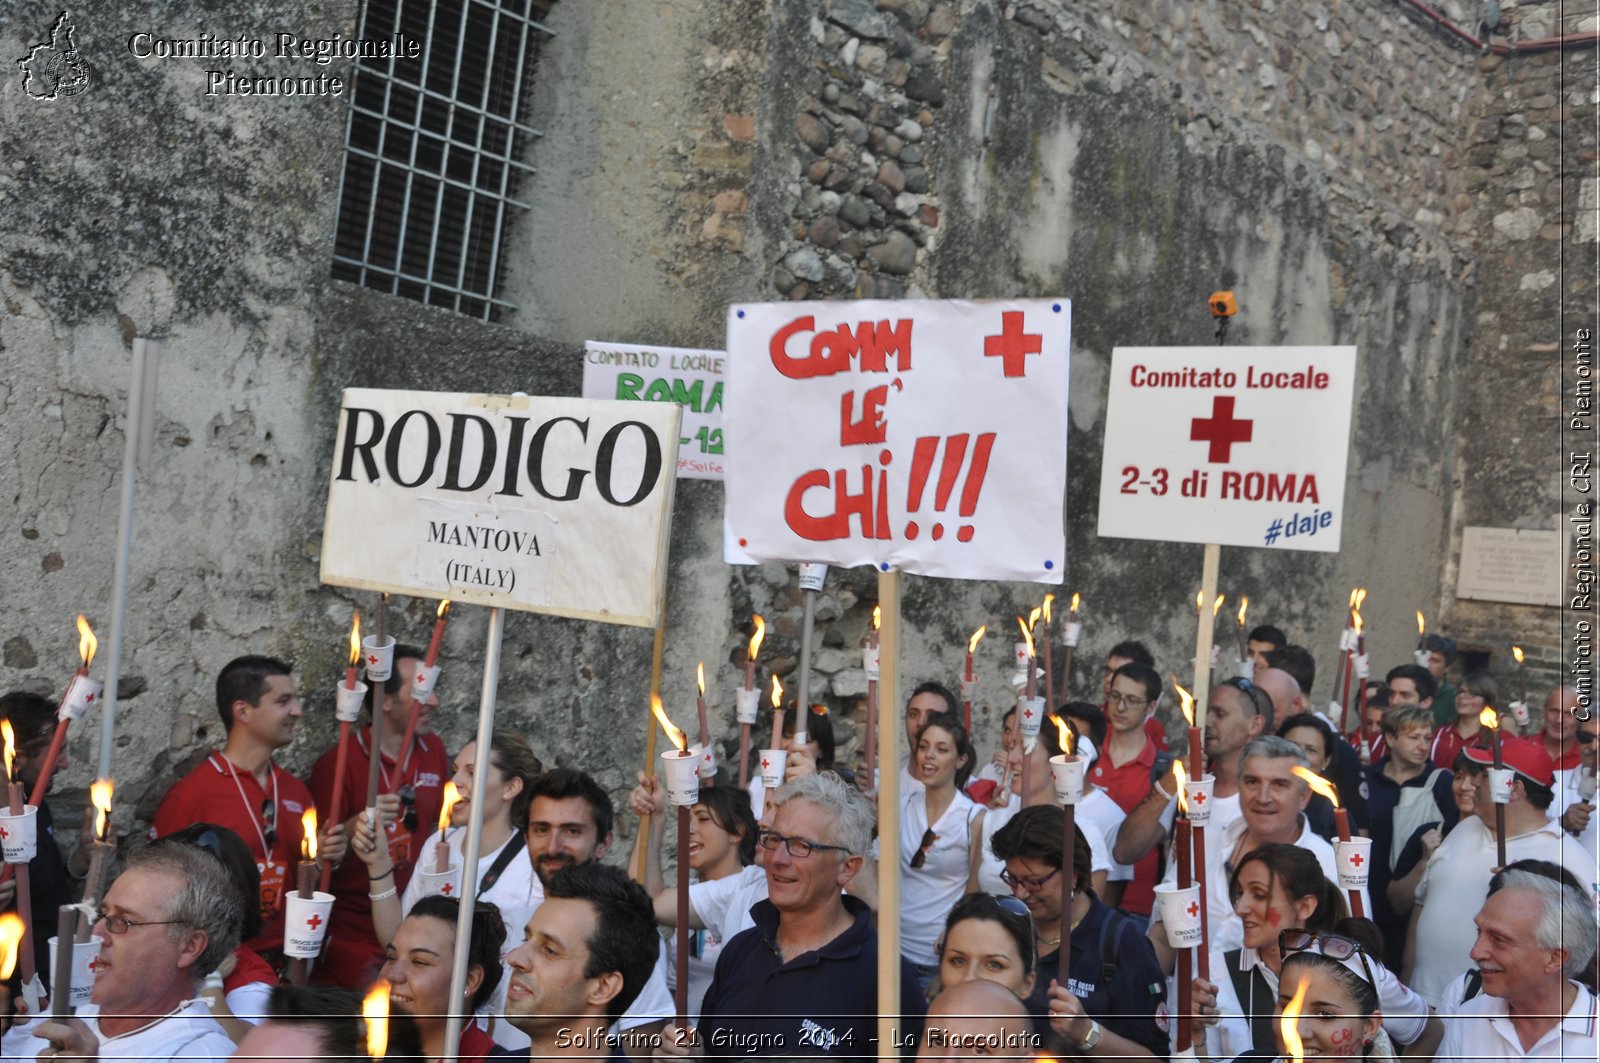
469,857
888,769
1202,639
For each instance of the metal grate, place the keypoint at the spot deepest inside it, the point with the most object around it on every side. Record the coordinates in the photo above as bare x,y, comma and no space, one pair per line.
432,151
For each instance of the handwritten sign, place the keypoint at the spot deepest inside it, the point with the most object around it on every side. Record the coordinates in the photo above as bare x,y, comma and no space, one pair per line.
694,379
925,436
1240,446
547,505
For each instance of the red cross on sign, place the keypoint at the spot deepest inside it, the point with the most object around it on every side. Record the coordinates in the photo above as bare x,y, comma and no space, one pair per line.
1013,344
315,921
1193,909
1220,429
1357,860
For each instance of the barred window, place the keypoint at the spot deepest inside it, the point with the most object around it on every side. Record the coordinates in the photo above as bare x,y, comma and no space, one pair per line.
432,151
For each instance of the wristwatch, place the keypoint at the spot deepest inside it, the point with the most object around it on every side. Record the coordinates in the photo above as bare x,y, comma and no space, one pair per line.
1093,1037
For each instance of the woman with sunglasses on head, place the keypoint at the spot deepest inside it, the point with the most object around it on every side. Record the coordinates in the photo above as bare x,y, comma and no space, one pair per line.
1340,1017
417,966
938,826
987,937
1282,896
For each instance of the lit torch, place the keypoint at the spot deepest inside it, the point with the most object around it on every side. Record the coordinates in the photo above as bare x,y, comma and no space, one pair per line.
375,1012
1186,702
747,701
348,699
11,931
102,848
1044,651
678,769
24,882
1522,675
1183,853
1069,834
441,848
1491,719
1244,640
777,714
1341,819
1289,1022
80,694
972,646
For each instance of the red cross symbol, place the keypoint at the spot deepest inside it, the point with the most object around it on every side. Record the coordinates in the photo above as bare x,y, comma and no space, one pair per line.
1027,714
88,699
1199,797
765,763
447,889
1013,344
372,658
94,963
1221,430
4,833
314,922
1193,909
1357,860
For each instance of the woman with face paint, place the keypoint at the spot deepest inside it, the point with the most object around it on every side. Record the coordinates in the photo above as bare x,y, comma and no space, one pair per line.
1339,1017
1283,899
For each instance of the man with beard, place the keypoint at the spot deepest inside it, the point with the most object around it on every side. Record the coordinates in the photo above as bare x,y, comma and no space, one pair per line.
569,824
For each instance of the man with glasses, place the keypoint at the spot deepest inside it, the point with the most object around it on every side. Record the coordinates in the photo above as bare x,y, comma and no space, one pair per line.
803,980
1129,765
242,788
1130,651
1114,986
166,923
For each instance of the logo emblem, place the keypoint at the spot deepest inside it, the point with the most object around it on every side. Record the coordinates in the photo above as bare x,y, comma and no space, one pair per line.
55,68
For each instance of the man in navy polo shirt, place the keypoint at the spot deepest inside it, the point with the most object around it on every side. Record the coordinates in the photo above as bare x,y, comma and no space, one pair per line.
803,980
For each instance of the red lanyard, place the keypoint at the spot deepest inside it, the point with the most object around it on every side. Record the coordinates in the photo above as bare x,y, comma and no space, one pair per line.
255,814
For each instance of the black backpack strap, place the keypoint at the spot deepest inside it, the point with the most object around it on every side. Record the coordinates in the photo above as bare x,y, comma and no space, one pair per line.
1256,1000
517,843
1110,936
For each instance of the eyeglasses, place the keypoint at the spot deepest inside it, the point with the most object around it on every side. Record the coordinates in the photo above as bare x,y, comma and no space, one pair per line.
1134,703
120,924
799,848
1032,885
1334,946
921,857
269,820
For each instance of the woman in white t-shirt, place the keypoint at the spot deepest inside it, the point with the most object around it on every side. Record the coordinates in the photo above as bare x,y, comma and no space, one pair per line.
938,825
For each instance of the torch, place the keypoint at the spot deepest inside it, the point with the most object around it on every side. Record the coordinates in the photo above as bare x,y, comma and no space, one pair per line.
1044,651
1030,714
1522,684
441,848
1247,667
1289,1022
348,698
12,932
103,848
708,759
1216,650
423,680
1069,639
1194,801
1187,701
1183,854
375,1013
1351,854
1422,640
1067,770
747,702
20,834
970,681
81,693
869,661
1362,668
306,883
1499,782
683,790
775,758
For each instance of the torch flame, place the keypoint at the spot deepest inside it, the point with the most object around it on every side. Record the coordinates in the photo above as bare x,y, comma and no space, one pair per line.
700,677
1047,600
1489,718
1356,614
1289,1022
308,826
100,797
1216,606
443,610
11,745
1182,777
87,643
1361,597
1074,601
1033,618
11,928
677,736
375,1010
777,693
1063,732
977,637
1187,700
1353,592
1318,784
1516,651
1199,602
1244,606
755,640
877,616
452,796
1422,627
1027,634
355,639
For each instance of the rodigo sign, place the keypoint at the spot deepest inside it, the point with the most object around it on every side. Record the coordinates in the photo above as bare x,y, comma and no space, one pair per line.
549,505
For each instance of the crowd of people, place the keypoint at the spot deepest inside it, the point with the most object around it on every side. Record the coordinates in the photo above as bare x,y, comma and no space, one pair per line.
1450,952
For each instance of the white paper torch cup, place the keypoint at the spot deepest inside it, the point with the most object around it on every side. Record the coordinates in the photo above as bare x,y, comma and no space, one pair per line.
1353,861
869,662
82,692
1030,715
85,961
1246,669
1420,656
379,659
708,763
1019,657
1180,914
969,690
1198,793
746,705
445,883
347,702
1071,632
1519,712
772,763
812,574
1067,773
1500,784
19,835
680,775
424,679
305,924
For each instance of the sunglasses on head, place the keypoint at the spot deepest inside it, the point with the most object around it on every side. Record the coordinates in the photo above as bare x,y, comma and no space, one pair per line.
269,820
1013,907
408,801
1334,946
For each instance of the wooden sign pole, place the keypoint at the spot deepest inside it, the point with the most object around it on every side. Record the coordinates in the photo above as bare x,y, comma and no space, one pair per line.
642,843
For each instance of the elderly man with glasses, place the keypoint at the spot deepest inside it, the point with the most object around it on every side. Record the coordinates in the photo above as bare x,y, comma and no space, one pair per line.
166,923
803,980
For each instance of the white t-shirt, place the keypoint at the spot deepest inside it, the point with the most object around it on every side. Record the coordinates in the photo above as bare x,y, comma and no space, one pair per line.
1482,1030
1099,817
1405,1014
724,904
189,1033
928,892
1454,886
990,866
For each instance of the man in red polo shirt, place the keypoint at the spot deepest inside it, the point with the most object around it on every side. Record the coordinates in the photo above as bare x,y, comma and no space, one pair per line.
409,807
1126,652
241,788
1127,766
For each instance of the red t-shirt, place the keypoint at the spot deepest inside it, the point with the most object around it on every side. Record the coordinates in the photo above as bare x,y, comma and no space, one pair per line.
352,955
217,791
248,968
475,1045
1447,743
1127,785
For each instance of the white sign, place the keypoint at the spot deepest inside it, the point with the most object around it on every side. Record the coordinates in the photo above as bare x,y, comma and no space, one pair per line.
926,436
547,505
1240,446
692,378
